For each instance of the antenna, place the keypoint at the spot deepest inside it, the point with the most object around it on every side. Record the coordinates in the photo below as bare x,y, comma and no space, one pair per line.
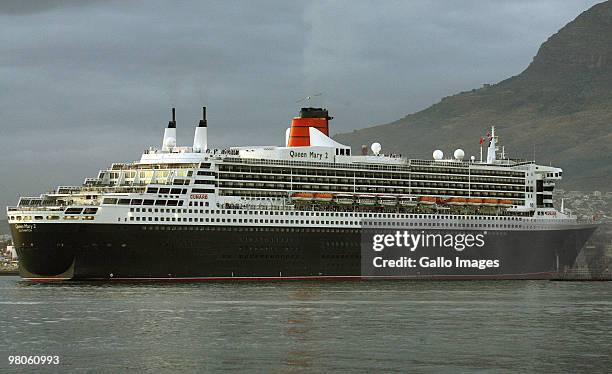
309,97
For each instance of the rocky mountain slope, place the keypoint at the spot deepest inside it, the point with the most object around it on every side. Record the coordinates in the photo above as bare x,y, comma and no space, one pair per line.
561,105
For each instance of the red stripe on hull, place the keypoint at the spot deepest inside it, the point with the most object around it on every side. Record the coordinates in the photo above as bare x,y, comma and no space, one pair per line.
529,276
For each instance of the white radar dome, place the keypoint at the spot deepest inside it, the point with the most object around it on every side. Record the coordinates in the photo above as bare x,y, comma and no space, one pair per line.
459,154
170,142
376,147
438,154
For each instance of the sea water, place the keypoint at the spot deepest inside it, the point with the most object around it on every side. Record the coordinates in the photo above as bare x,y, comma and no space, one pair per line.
292,326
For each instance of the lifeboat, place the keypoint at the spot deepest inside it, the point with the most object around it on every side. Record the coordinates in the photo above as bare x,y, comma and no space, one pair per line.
489,202
344,199
505,202
387,200
323,197
457,201
302,196
366,200
474,202
441,200
427,200
407,201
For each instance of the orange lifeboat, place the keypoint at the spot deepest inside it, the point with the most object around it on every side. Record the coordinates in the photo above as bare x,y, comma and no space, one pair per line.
457,201
490,202
302,196
427,200
441,200
323,197
474,201
505,202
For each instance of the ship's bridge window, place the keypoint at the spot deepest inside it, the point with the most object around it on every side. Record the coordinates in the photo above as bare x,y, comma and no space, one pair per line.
160,202
124,201
136,201
148,202
109,201
164,190
151,190
172,203
90,211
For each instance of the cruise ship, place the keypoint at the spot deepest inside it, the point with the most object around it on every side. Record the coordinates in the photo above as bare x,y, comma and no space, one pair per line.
292,212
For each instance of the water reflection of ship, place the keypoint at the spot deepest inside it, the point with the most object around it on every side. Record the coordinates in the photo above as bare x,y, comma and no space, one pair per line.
302,348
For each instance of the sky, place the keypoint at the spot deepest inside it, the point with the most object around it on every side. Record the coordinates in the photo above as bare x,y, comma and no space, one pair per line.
87,83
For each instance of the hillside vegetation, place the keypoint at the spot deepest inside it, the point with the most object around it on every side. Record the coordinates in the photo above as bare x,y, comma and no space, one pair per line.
561,104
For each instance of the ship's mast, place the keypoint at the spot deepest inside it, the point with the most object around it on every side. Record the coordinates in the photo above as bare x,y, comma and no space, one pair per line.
491,151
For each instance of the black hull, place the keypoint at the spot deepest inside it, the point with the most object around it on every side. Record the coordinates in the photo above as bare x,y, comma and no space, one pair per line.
135,252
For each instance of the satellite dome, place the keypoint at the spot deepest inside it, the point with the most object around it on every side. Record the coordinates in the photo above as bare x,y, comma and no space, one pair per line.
459,154
376,147
170,142
438,154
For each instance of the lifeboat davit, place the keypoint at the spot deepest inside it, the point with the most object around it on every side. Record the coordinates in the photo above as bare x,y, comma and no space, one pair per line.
407,201
366,199
323,197
427,200
302,196
457,201
344,199
489,202
387,200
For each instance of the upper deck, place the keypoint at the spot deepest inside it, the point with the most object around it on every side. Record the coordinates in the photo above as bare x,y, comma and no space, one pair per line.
312,162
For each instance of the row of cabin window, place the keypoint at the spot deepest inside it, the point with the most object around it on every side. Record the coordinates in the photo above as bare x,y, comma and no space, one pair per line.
163,190
321,170
313,222
318,214
114,201
179,191
394,179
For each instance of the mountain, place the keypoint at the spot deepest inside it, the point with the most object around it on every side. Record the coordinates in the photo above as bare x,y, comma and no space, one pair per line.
560,105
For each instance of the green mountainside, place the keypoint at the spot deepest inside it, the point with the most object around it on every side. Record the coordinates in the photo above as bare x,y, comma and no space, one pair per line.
561,105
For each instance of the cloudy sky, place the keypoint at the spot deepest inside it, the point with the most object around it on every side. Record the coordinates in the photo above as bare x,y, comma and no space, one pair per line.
86,83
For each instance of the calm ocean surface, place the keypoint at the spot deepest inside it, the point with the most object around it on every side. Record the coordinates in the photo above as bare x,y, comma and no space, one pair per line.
514,326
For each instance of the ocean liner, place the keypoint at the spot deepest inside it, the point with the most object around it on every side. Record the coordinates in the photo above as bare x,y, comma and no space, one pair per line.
296,211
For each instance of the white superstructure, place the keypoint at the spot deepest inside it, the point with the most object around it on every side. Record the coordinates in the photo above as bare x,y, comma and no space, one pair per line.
321,184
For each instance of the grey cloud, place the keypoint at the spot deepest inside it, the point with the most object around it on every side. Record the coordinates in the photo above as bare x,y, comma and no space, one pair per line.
23,7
